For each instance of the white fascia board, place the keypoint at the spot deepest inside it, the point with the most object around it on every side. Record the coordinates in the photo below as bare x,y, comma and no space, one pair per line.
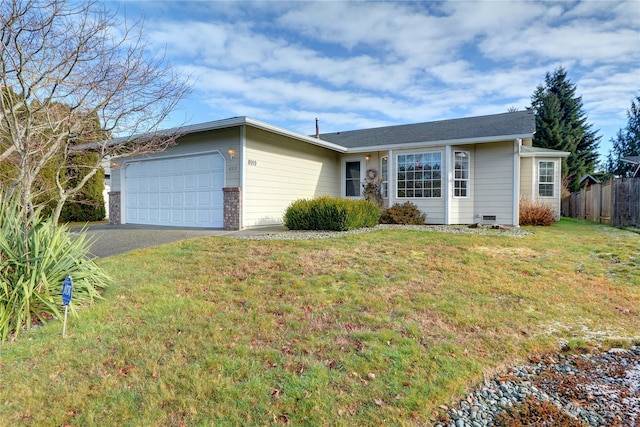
305,138
462,141
546,154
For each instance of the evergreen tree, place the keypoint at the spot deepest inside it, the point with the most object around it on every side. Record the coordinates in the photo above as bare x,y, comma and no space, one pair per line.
626,143
561,124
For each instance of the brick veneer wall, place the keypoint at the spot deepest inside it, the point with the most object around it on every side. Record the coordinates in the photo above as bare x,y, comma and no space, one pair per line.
232,207
114,207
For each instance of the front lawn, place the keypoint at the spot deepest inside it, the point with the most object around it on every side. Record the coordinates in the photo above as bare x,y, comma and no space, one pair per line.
380,327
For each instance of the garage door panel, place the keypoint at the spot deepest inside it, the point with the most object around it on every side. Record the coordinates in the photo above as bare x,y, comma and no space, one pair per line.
164,183
154,200
189,182
177,200
177,183
179,191
190,199
204,198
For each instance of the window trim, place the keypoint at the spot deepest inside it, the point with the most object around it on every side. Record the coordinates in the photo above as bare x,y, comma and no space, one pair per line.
398,180
552,183
467,179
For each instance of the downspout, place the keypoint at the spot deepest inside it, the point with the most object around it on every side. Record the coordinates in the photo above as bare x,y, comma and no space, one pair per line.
391,182
447,187
516,181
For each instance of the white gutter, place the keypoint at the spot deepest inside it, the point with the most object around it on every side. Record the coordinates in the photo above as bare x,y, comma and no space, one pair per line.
462,141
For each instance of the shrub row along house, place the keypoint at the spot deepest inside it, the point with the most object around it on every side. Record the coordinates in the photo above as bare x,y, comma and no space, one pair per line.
241,173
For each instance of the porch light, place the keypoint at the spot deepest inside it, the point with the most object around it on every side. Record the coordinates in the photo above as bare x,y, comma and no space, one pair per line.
232,153
114,165
367,157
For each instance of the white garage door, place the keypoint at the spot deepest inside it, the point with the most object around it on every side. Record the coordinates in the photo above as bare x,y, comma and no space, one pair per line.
180,191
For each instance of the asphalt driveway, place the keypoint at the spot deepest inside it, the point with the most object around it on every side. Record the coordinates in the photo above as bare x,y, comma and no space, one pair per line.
117,239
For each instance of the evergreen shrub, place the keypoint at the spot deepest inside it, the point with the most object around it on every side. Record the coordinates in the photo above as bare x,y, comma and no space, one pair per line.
330,213
88,204
405,213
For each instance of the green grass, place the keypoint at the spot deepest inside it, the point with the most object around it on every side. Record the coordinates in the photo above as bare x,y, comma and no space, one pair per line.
381,327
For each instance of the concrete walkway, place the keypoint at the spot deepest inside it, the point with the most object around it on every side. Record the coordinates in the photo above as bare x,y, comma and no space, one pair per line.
117,239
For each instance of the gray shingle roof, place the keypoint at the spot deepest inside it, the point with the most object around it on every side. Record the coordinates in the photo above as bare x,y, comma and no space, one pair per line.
519,123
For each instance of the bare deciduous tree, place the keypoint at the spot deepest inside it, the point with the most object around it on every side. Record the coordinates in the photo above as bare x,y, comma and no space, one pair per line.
73,73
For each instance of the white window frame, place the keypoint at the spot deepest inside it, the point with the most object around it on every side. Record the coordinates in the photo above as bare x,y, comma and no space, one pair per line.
461,179
542,182
409,158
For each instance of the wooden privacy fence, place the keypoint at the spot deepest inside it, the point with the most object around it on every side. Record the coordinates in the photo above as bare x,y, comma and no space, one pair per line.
615,202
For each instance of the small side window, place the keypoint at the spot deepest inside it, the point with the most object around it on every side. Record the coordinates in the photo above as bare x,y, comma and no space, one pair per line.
546,179
461,174
384,176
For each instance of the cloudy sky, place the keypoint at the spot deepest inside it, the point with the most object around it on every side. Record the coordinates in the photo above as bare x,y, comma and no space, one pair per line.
364,64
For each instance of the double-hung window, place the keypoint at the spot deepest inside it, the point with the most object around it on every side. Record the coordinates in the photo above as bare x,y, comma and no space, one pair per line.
546,178
419,175
461,174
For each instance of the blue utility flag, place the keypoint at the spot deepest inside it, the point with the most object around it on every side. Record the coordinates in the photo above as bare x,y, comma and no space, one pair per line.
67,290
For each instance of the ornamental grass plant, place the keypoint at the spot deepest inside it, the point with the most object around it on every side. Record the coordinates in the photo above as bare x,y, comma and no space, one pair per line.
35,256
536,212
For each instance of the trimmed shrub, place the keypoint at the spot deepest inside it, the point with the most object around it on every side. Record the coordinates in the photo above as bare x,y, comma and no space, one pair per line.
35,257
536,213
405,213
88,204
330,213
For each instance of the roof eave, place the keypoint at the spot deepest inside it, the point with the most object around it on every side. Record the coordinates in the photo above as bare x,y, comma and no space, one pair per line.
546,154
228,123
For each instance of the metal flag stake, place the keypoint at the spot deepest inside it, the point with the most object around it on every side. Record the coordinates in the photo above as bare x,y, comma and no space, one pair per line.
67,291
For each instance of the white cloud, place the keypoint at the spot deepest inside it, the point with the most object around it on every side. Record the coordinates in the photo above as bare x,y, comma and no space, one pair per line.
361,64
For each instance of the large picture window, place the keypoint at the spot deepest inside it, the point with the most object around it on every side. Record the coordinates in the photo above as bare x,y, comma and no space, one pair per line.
419,175
546,179
461,174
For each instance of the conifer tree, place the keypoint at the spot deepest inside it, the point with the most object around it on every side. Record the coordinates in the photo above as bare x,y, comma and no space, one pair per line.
561,124
626,143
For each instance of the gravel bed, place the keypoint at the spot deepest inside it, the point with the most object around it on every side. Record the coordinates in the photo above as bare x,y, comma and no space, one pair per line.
597,389
321,234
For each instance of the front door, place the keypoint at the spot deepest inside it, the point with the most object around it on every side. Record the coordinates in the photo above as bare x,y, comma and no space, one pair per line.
353,178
